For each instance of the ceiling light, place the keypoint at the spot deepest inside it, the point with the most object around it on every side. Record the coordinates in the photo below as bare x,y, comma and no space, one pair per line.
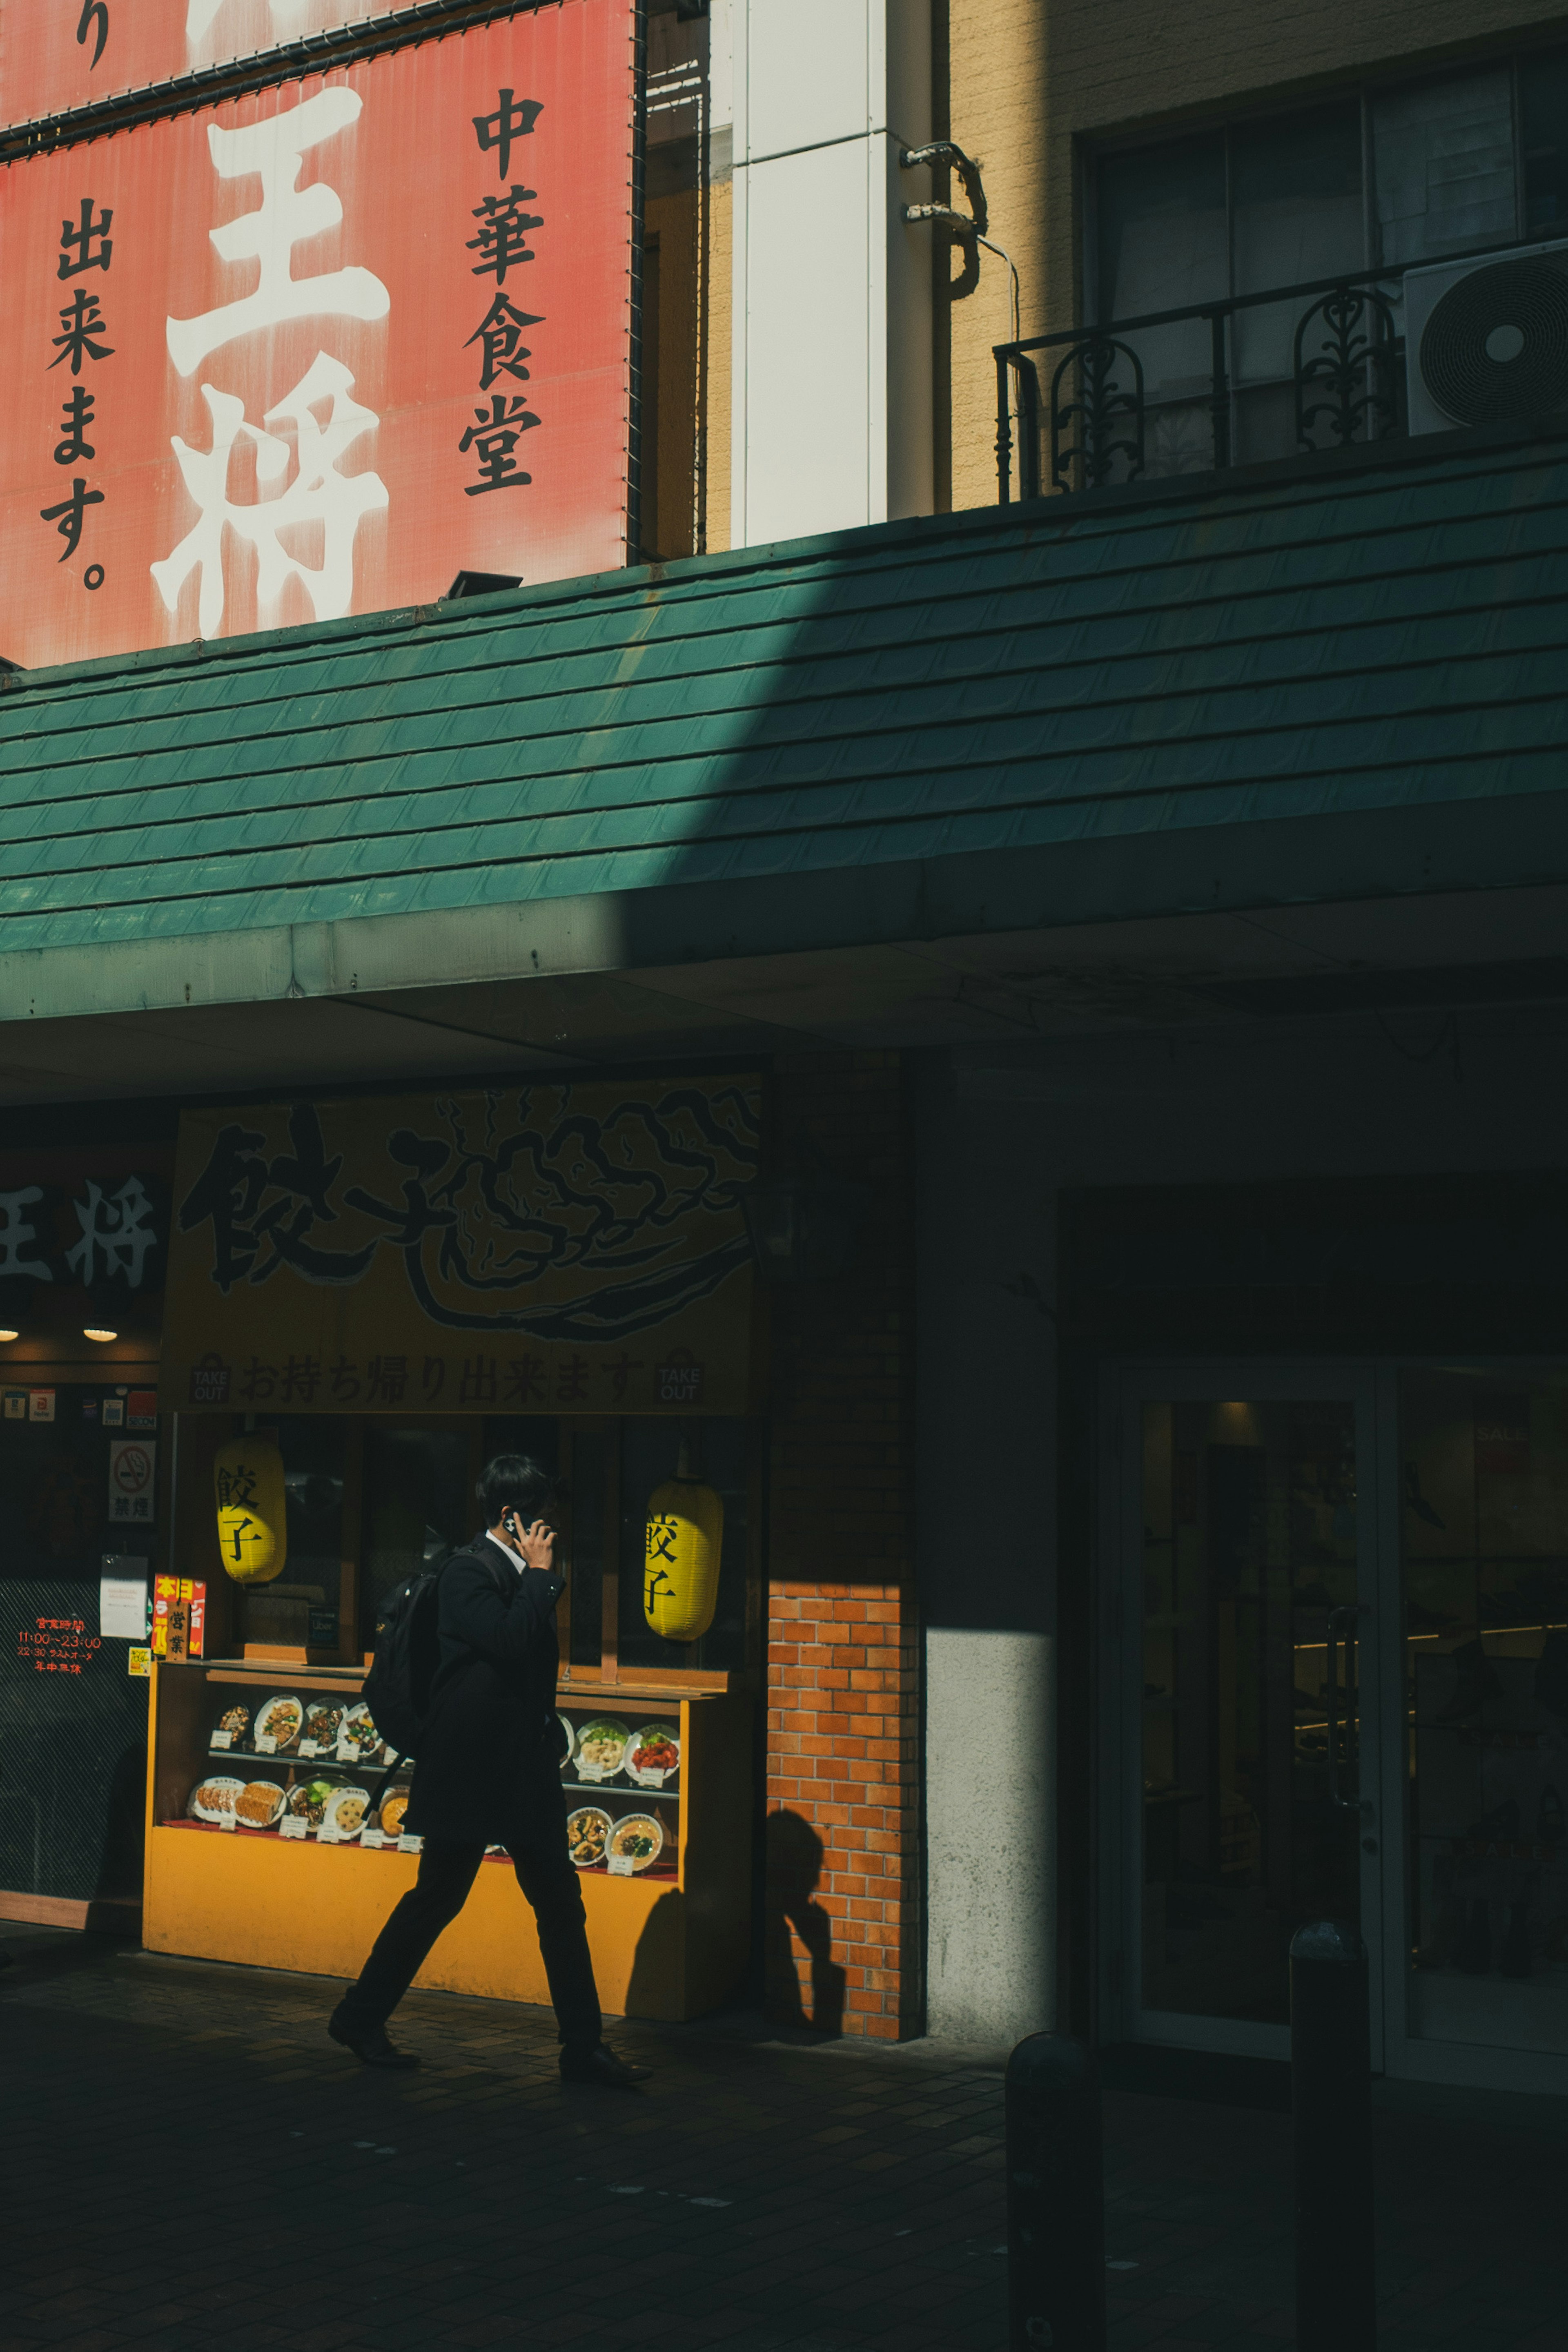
91,1334
9,1334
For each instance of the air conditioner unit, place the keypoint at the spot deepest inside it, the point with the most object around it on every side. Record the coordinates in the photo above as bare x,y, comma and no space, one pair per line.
1486,343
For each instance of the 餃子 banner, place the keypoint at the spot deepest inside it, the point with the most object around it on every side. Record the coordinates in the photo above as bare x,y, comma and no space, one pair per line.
56,55
554,1248
316,351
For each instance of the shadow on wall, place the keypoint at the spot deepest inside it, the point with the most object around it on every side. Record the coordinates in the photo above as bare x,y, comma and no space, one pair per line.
655,1965
794,1854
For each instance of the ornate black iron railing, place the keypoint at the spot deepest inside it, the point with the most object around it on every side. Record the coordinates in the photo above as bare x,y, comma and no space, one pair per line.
1090,422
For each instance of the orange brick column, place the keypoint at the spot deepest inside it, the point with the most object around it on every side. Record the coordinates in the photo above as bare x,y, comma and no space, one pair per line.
842,1931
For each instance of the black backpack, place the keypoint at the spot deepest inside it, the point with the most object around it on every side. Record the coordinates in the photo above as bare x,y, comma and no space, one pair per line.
408,1650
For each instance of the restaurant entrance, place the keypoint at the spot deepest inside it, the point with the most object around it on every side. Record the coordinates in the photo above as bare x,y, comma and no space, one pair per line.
1335,1685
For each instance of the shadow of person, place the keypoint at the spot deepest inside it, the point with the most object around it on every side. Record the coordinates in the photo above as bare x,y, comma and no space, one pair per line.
794,1856
654,1988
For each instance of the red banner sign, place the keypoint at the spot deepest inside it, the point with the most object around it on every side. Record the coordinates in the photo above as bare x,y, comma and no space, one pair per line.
319,349
56,55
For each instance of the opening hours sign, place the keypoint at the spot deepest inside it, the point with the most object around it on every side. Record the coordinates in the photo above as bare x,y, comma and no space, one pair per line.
317,350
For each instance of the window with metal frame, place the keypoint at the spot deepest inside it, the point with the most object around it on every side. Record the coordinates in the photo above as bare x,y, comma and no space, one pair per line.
1394,175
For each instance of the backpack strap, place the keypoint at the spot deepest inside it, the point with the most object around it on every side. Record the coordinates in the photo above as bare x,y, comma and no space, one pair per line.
383,1784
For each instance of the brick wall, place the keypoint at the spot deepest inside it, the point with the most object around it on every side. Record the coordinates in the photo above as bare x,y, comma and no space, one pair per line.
842,1931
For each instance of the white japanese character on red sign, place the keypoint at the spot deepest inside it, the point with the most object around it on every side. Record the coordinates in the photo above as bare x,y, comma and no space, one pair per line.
330,503
275,150
318,494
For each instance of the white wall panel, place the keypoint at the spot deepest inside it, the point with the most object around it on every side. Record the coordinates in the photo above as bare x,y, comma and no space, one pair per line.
831,419
806,74
806,389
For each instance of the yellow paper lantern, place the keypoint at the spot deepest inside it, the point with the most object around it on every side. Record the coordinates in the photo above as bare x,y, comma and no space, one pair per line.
685,1544
253,1509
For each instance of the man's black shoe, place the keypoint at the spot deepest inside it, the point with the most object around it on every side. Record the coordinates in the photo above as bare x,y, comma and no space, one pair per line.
601,2065
369,2043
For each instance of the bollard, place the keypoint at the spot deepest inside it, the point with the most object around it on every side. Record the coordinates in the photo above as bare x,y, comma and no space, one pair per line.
1056,2199
1330,2100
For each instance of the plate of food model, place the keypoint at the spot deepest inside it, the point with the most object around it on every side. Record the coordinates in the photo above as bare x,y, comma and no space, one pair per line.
586,1834
320,1727
359,1733
344,1813
565,1723
653,1755
392,1810
258,1804
307,1803
279,1719
212,1797
639,1839
601,1747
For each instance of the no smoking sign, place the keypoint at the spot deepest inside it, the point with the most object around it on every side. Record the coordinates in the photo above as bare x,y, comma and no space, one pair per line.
132,1462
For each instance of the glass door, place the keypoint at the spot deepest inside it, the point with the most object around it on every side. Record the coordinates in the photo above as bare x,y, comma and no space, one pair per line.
1241,1693
1481,1685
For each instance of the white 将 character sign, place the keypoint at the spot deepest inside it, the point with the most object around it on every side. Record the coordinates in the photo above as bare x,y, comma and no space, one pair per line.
318,494
117,1230
131,1465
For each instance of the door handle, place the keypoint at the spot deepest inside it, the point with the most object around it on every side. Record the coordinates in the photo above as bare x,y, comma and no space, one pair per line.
1343,1623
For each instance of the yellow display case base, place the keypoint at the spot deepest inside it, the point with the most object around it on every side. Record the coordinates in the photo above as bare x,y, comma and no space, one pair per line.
273,1903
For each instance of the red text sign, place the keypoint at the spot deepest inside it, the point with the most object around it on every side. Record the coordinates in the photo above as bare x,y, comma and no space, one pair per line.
319,349
56,55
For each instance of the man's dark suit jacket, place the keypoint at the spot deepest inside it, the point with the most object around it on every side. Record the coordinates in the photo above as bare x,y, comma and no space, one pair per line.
489,1755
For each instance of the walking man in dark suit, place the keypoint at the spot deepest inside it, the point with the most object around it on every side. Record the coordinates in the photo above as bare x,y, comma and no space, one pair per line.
488,1773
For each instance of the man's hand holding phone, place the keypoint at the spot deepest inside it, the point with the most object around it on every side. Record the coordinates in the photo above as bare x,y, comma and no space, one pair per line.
537,1544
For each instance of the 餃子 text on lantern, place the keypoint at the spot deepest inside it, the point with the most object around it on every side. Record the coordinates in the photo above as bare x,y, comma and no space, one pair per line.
253,1509
685,1544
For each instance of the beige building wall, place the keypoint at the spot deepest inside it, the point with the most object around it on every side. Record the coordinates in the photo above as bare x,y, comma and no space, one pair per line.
721,265
1030,79
998,78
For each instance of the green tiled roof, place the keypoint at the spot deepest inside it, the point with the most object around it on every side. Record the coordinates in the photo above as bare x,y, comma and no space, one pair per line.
1083,707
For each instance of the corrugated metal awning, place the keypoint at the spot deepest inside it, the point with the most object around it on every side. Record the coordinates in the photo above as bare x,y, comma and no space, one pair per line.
1314,683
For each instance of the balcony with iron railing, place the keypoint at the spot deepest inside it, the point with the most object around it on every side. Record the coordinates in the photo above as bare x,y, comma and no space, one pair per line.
1292,371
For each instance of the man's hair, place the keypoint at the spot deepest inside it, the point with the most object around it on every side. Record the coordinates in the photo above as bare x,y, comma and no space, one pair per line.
514,1482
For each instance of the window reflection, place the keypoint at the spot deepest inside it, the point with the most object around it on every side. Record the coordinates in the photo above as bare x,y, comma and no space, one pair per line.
1484,1462
1249,1542
417,1507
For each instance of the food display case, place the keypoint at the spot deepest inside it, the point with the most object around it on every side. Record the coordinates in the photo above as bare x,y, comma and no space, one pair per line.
275,1836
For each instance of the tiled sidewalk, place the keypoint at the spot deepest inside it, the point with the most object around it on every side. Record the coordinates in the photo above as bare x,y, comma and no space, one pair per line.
1472,2222
188,2164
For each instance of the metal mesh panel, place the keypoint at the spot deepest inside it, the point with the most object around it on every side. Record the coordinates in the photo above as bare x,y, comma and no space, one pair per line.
73,1723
